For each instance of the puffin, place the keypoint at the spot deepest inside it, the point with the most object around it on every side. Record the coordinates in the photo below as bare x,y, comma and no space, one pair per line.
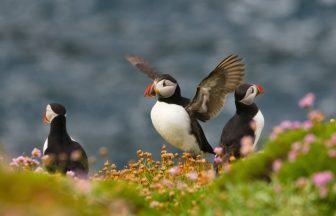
64,153
248,121
175,117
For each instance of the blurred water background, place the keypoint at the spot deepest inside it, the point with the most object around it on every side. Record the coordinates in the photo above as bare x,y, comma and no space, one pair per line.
72,52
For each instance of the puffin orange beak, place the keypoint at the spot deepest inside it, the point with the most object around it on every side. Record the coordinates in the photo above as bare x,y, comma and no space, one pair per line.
150,90
44,118
260,89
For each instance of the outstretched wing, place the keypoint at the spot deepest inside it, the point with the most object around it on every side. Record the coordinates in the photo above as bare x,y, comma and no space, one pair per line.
212,91
143,66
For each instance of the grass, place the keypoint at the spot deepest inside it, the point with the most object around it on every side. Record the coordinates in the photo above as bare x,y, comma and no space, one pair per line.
41,194
181,185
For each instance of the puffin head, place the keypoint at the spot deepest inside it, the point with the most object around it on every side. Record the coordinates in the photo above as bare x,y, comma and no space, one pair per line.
53,110
164,86
246,93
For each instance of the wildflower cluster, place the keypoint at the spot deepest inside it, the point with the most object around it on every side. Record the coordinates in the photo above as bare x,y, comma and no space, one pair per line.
322,181
301,147
290,125
297,148
313,117
173,176
36,163
26,163
246,145
307,101
246,148
331,146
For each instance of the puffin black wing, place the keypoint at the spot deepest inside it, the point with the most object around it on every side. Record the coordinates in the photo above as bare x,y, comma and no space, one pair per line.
197,130
212,91
200,137
143,66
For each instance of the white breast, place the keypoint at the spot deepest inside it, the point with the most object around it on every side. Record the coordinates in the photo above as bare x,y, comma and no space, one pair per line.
172,122
45,145
259,120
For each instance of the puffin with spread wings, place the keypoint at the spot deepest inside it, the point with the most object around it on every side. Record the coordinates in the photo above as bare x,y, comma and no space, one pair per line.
175,117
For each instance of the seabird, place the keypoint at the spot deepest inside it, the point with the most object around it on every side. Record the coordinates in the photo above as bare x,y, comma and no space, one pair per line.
175,117
247,122
64,153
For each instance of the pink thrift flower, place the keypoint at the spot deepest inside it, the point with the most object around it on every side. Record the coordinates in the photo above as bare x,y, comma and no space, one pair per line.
193,176
316,116
218,160
310,138
307,124
174,171
286,124
181,185
246,145
322,178
277,165
296,125
167,183
292,155
276,131
273,136
247,140
20,160
70,174
332,153
253,125
296,146
76,155
218,150
323,192
307,100
36,153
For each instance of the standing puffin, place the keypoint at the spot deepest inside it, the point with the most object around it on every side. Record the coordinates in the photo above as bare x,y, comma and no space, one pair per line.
175,117
247,122
64,153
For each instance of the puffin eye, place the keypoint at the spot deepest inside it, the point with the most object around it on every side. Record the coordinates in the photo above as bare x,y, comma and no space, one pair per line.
164,83
169,83
252,90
